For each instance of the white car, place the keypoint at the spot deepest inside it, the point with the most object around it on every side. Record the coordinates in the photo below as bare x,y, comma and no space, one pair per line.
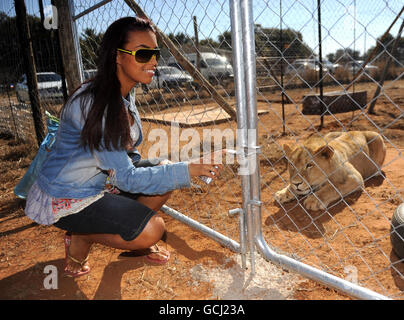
301,66
167,77
355,66
49,86
213,66
89,74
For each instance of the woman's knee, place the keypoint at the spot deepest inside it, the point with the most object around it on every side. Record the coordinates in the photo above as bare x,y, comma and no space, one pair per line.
151,234
168,194
155,226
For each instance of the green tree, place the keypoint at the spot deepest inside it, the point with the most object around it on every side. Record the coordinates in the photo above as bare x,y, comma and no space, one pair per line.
180,38
385,47
43,44
10,56
331,57
225,40
270,42
346,55
209,42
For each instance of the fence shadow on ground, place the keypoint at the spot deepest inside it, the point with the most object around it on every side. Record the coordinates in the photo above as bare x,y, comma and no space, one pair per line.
182,247
10,207
110,283
29,284
19,229
295,218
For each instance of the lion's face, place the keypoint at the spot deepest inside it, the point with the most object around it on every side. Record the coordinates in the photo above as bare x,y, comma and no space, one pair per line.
308,167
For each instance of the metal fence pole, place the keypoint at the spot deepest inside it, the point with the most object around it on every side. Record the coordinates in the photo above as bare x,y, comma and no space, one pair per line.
227,242
320,57
237,44
251,114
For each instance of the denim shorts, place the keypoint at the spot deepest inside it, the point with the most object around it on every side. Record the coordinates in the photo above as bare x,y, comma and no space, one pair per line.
112,214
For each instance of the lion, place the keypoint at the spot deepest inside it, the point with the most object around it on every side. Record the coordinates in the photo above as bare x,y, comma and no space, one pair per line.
325,169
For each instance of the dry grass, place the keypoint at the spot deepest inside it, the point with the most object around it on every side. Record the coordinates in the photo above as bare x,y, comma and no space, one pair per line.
15,156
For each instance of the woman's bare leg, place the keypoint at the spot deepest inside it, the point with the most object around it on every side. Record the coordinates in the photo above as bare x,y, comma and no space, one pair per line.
154,202
151,234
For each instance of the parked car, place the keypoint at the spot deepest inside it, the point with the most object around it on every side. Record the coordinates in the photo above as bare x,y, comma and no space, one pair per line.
6,87
212,65
302,66
49,86
167,77
355,66
329,66
89,74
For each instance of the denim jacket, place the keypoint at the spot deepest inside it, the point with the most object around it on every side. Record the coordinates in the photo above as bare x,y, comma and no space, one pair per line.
72,171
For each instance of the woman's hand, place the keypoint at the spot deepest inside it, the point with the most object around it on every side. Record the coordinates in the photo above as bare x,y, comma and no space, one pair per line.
198,169
164,161
206,165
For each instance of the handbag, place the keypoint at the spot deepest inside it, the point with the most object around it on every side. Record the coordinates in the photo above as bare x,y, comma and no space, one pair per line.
22,188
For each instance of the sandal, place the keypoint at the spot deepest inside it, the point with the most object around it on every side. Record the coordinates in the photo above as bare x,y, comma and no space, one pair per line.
156,250
149,254
68,273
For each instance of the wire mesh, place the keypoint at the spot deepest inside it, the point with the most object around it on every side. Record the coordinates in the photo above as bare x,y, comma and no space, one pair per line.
16,112
300,95
179,108
349,238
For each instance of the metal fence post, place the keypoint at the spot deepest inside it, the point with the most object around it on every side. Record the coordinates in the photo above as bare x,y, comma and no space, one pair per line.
251,114
239,76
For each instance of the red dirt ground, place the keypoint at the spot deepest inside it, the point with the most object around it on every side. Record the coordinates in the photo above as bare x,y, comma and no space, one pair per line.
354,232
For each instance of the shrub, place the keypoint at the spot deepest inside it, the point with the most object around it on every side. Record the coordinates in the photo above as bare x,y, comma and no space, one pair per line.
392,71
310,76
342,75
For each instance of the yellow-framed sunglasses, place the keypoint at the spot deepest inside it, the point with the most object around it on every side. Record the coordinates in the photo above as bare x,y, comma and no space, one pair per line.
143,55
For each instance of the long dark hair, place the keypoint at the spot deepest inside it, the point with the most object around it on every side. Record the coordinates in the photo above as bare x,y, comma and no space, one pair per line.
105,90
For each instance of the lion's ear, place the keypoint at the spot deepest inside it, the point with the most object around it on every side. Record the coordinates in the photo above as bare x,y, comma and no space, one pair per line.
325,151
287,148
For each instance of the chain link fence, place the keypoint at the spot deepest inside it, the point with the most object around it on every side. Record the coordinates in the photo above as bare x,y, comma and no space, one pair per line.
176,103
321,67
307,60
333,60
15,101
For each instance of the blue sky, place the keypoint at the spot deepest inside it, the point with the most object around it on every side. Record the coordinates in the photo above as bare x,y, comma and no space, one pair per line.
351,24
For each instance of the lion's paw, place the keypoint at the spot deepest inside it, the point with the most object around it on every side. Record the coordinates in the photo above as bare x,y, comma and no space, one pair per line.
312,203
283,196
